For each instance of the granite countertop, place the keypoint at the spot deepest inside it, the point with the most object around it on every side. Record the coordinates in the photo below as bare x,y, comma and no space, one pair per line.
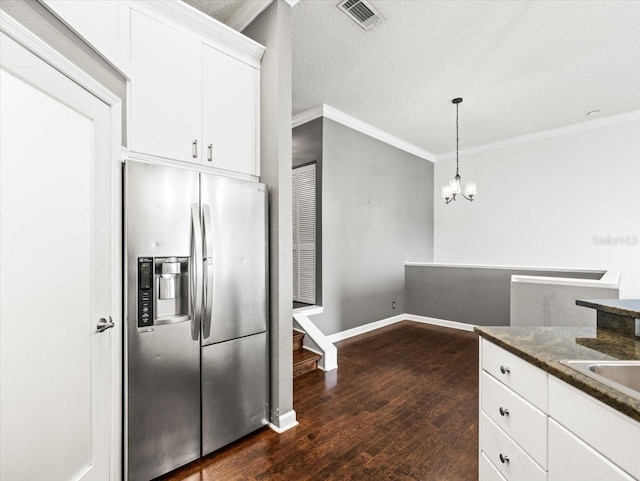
544,347
621,307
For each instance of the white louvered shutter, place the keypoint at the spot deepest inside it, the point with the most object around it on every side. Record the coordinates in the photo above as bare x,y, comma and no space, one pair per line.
295,189
304,233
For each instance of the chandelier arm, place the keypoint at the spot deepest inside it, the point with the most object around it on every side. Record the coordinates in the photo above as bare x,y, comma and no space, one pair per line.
470,199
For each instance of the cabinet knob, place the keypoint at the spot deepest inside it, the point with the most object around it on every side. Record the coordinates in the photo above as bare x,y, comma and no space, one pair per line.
210,152
505,369
194,152
504,459
504,412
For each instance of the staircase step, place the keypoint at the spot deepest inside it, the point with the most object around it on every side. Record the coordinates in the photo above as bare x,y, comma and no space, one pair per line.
297,339
304,361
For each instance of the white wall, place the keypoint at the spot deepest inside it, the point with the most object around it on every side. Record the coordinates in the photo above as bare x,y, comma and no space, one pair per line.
541,203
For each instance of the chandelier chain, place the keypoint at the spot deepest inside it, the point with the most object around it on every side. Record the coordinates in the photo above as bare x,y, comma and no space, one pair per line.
457,142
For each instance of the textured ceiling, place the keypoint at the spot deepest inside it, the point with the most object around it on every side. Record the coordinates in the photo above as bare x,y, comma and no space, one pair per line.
219,9
521,66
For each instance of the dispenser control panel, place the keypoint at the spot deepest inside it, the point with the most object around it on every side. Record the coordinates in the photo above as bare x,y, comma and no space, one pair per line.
145,291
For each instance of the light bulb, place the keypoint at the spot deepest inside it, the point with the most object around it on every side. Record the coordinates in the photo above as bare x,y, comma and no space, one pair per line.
454,185
446,192
470,189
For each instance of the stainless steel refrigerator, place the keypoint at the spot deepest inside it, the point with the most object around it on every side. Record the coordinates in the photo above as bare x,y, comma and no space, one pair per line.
196,355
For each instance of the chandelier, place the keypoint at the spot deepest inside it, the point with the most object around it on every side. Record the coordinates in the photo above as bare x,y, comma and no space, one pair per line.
453,188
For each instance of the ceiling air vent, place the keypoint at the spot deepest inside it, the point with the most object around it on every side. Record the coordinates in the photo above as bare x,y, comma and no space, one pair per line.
360,12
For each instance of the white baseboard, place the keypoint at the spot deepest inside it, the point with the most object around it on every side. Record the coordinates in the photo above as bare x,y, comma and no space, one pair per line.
356,331
372,326
440,322
287,421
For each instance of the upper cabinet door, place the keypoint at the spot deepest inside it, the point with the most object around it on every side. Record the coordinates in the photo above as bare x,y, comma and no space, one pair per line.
230,114
166,86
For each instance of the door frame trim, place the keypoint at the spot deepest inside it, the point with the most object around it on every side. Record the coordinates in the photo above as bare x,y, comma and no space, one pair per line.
34,44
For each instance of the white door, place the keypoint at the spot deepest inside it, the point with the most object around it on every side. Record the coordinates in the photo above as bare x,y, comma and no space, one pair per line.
166,84
304,234
229,115
55,368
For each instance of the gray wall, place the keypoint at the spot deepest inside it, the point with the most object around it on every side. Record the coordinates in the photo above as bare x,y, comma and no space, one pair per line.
273,30
307,142
465,294
45,25
534,304
377,205
307,148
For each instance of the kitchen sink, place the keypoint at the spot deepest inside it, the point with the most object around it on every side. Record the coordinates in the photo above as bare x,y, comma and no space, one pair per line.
621,375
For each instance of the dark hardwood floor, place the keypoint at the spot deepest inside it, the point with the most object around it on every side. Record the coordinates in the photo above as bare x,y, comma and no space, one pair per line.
403,405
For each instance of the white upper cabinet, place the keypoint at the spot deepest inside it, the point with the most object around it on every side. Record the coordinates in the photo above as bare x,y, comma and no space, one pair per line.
195,89
229,116
166,86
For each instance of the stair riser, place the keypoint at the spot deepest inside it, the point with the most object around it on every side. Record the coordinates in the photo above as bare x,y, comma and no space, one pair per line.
305,367
298,341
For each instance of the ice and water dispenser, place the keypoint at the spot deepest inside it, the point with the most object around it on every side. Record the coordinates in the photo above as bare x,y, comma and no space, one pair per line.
163,290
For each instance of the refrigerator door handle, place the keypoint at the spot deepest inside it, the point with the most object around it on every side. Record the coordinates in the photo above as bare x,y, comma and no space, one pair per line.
195,283
208,271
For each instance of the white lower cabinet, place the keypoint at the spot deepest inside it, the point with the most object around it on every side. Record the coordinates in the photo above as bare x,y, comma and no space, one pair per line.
535,427
510,459
488,472
607,431
519,419
571,459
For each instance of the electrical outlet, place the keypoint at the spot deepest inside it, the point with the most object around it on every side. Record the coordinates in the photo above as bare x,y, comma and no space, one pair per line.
393,305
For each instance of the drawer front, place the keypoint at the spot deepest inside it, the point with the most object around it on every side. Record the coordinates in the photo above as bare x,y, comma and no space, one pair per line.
524,378
525,424
488,472
611,433
495,443
570,459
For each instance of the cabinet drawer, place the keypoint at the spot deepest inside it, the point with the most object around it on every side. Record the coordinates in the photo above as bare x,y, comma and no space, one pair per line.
488,472
570,459
611,433
525,424
524,378
495,443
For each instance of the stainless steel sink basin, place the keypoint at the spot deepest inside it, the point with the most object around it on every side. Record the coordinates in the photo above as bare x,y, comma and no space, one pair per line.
621,375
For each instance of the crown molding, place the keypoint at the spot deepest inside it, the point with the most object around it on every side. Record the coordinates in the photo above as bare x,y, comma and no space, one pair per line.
207,27
545,134
247,13
15,30
336,115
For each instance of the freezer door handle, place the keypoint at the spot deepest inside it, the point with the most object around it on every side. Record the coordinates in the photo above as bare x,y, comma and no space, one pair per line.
195,283
208,271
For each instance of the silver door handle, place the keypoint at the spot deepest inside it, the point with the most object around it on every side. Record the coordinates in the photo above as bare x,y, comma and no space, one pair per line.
103,324
210,153
208,268
194,152
195,284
